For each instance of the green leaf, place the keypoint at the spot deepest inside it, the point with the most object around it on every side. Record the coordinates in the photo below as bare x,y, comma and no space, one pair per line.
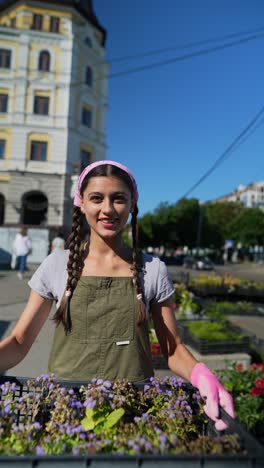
113,418
88,422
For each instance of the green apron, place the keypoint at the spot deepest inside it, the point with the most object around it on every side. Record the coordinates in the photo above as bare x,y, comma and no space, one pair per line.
105,341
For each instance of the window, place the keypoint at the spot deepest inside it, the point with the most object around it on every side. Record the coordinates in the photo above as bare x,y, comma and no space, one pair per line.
85,159
2,209
41,105
5,58
86,117
89,76
2,149
54,24
3,102
37,22
13,22
38,150
88,41
44,61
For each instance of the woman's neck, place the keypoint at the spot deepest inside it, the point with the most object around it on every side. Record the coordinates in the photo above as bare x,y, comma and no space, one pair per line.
116,248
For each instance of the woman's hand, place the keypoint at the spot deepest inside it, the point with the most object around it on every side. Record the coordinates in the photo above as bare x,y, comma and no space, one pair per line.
213,391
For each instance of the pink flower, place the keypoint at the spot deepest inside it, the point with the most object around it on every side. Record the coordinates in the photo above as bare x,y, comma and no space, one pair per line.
257,366
259,383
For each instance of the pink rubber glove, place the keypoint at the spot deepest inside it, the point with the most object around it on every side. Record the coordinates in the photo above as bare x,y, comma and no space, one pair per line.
215,394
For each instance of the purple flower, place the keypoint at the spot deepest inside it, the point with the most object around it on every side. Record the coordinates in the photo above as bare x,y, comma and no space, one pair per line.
90,403
39,450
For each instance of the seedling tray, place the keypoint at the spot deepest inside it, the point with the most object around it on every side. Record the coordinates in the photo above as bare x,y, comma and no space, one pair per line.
254,458
205,347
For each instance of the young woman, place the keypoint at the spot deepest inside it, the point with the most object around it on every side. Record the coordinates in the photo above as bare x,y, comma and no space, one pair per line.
21,247
106,292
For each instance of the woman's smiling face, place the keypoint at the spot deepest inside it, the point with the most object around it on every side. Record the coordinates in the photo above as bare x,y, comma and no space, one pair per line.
106,203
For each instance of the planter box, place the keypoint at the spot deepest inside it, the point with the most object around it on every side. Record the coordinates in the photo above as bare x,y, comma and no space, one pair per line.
159,362
204,346
223,293
254,458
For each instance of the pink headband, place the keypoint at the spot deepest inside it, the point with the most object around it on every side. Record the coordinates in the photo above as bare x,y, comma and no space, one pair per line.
77,196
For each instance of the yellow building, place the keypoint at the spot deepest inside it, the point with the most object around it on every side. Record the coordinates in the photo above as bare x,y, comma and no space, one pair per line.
53,102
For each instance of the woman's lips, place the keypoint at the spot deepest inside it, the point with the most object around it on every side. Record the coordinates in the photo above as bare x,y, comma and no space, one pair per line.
107,222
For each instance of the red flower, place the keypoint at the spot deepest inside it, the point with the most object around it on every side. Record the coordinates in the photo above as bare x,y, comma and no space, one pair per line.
259,383
257,366
240,367
256,391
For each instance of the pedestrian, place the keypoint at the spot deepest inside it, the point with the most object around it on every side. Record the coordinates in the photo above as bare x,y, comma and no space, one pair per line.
58,241
105,292
22,247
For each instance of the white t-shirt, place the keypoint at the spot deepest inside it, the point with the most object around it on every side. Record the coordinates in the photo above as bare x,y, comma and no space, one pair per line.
49,280
22,245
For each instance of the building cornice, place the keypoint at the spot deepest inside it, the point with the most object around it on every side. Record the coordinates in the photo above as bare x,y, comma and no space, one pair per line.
84,7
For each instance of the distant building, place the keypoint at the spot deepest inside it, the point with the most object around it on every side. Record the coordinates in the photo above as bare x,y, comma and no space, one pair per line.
53,103
251,195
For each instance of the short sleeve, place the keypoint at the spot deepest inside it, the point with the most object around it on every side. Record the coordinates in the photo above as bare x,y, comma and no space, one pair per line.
164,286
41,279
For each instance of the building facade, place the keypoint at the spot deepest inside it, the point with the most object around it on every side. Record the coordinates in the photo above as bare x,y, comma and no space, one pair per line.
53,103
251,195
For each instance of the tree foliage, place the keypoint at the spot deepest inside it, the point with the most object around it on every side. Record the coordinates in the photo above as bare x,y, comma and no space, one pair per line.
190,223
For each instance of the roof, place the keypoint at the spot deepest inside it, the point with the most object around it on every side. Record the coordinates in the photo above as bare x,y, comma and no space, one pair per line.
84,7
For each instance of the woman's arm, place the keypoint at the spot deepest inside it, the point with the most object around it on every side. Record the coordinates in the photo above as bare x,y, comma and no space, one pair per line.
15,347
180,360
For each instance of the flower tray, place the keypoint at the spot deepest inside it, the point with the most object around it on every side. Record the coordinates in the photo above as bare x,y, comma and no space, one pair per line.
205,347
224,293
251,457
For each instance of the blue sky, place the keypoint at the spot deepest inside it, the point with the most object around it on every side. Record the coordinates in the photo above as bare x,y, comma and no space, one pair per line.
171,123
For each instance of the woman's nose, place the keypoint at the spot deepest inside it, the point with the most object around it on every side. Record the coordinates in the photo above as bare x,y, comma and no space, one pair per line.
107,206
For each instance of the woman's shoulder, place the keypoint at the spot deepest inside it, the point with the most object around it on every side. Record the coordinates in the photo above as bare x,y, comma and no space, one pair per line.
152,264
56,259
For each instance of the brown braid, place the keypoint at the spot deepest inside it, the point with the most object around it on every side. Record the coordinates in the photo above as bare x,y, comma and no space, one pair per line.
137,268
74,267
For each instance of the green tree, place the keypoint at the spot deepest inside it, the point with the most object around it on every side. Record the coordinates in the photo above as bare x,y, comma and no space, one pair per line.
248,227
221,215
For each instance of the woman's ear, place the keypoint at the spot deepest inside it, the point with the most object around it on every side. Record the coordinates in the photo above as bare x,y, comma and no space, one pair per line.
81,206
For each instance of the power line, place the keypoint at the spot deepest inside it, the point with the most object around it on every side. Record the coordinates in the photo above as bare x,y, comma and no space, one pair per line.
179,58
181,46
184,57
232,147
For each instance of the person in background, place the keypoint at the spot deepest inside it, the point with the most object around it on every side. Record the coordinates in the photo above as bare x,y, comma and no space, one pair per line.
58,242
22,247
106,292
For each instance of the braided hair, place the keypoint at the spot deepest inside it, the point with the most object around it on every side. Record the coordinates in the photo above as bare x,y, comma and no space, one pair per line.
78,250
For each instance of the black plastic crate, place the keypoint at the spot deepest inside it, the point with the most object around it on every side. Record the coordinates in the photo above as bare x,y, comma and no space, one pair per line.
254,458
205,347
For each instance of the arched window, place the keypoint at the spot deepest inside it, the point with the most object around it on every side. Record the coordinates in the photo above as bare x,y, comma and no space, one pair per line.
44,61
34,208
89,76
2,209
88,41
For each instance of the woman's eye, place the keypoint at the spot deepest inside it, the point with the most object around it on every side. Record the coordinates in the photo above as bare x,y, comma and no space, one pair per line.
96,199
120,199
